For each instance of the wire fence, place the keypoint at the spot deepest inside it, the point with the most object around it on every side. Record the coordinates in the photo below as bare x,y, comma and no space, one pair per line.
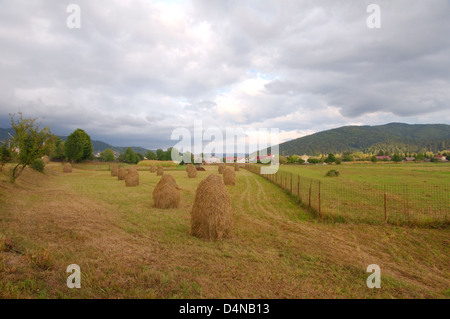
346,200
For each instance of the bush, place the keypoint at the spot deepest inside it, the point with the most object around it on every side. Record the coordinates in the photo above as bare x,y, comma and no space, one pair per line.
397,158
38,165
338,161
313,160
374,159
332,173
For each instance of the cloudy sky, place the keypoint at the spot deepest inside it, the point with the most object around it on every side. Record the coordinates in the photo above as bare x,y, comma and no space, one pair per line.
136,70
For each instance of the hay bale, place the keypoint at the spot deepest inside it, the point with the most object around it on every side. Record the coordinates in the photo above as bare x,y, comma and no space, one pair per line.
236,167
229,176
200,169
152,168
222,168
67,168
132,178
188,167
45,159
192,172
131,169
166,193
212,214
160,171
115,170
122,173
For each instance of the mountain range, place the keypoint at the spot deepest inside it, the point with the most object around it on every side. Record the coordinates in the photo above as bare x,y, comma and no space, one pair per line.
392,137
97,145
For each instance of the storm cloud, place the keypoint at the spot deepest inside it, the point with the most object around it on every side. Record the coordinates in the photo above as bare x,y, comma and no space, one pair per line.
136,70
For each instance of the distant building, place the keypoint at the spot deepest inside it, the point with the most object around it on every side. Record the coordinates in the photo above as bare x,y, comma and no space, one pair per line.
305,158
441,158
383,158
410,159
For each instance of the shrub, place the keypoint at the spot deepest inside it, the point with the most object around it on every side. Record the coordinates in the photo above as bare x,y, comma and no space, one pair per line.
313,160
38,165
374,159
332,173
338,161
397,158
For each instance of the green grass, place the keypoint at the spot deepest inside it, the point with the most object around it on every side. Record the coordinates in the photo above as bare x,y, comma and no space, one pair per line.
128,249
416,193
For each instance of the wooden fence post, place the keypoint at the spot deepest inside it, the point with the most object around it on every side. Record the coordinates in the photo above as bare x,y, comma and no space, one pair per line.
298,186
291,184
309,202
320,209
385,205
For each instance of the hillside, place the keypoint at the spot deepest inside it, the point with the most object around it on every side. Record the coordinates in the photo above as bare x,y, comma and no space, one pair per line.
97,145
390,137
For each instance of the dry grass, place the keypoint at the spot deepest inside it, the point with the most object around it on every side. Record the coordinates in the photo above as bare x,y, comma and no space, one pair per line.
67,168
127,249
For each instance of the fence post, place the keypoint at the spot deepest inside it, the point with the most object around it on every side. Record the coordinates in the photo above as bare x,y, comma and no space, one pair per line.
291,184
320,210
298,186
309,202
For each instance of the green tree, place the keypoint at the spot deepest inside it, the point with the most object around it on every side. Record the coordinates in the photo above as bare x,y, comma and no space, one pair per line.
30,142
374,159
330,159
397,158
107,155
57,151
5,155
130,156
419,157
160,154
78,146
151,155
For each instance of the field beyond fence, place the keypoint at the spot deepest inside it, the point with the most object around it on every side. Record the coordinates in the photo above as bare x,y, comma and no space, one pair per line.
367,202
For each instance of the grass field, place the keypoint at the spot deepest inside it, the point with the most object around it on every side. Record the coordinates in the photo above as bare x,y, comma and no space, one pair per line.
128,249
409,193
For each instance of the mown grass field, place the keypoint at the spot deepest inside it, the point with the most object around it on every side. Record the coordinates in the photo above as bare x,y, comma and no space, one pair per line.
128,249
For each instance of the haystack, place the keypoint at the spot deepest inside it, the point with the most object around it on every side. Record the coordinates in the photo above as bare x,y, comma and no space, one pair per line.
132,178
152,168
115,170
166,193
122,173
200,169
160,171
188,167
229,176
45,159
67,168
212,215
222,168
236,167
192,172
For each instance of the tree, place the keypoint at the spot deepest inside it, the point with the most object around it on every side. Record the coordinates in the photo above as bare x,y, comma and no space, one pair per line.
374,159
130,156
330,159
397,158
419,157
30,142
5,155
151,155
78,146
160,154
57,151
107,155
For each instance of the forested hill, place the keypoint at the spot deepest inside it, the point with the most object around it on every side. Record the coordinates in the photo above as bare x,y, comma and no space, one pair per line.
390,137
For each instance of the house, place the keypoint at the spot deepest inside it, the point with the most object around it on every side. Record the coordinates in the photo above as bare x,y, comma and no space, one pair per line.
305,158
441,158
383,158
410,159
212,159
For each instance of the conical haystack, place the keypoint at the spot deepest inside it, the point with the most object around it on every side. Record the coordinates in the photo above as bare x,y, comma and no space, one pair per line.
46,159
132,178
166,193
236,167
160,171
115,170
192,172
122,173
67,168
152,168
212,214
221,168
188,167
229,176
